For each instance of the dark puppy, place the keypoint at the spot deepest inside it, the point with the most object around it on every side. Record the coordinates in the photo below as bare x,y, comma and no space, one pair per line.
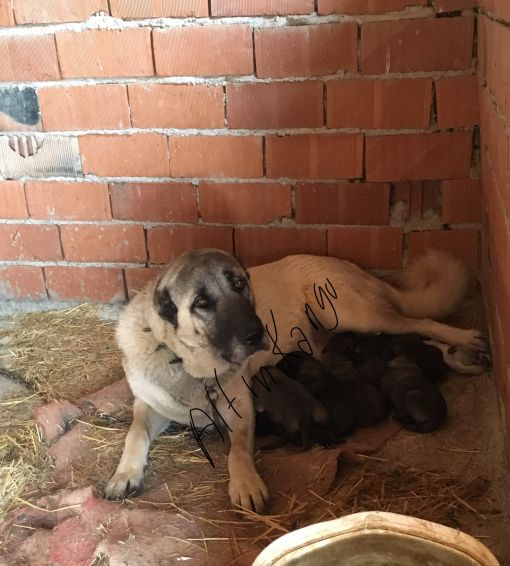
341,421
305,369
419,405
427,357
366,401
314,375
371,354
337,357
357,403
323,385
288,405
341,344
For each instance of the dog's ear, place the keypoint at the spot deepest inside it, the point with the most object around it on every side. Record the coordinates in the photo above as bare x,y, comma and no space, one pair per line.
240,262
164,306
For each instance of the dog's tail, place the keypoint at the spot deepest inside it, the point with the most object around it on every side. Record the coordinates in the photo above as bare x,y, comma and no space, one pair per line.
430,287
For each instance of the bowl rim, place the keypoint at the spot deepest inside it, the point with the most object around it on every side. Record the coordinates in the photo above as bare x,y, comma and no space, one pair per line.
376,522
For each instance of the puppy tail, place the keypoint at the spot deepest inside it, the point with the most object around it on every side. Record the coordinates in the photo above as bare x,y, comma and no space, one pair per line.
430,287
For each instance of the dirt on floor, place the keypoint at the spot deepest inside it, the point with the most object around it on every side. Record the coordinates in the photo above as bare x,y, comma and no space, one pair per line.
458,476
471,444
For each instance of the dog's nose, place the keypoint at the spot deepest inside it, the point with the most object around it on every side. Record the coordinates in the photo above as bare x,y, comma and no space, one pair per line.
254,335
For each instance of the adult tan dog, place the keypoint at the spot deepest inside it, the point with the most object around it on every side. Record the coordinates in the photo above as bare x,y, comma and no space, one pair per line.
194,336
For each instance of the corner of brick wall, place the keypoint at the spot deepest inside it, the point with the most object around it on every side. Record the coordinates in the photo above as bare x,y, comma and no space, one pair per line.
342,127
494,81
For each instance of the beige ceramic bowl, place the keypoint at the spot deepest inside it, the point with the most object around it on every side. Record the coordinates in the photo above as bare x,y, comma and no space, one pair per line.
376,539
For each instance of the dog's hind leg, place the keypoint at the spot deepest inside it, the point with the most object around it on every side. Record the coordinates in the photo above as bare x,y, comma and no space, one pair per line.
392,322
146,425
471,339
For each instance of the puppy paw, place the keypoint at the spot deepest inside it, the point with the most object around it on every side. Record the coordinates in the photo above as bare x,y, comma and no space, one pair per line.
473,340
468,361
123,484
461,359
248,491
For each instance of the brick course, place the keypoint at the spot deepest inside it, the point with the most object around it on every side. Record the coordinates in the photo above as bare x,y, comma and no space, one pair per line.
85,107
303,51
156,202
500,8
27,58
453,5
165,243
29,242
68,201
21,282
418,156
54,11
138,155
256,246
12,200
105,53
114,243
140,9
462,201
342,203
315,156
260,7
176,106
6,13
275,105
457,102
371,248
95,284
249,203
206,51
377,104
216,156
416,45
366,6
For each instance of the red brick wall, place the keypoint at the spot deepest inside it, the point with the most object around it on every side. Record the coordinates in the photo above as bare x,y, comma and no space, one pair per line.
494,76
346,127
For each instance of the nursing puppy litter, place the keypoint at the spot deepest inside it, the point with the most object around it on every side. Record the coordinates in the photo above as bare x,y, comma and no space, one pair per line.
211,313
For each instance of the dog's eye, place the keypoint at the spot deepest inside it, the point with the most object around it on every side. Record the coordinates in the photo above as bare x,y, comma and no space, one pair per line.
239,284
201,302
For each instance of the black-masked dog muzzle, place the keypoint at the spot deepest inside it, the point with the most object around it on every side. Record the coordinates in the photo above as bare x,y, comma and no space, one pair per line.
239,331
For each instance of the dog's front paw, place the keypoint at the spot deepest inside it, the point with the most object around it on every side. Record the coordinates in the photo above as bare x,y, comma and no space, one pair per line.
123,484
248,491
